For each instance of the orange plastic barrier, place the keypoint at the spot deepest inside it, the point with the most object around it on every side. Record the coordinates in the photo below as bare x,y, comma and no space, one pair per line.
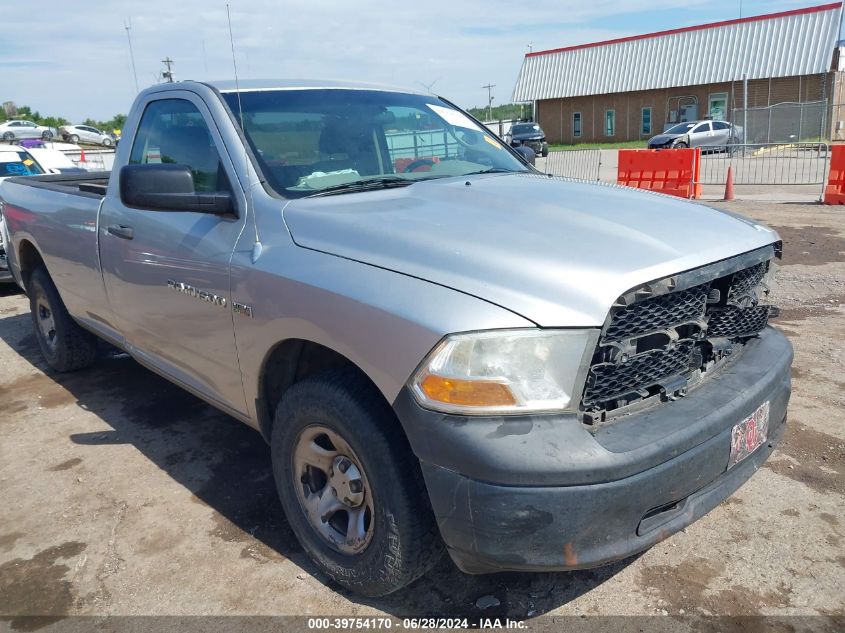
423,163
834,192
671,171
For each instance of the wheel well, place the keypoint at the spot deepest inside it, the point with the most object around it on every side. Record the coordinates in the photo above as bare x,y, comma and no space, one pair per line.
288,363
28,259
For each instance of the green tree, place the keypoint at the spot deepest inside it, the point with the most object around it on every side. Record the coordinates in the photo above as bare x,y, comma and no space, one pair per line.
503,112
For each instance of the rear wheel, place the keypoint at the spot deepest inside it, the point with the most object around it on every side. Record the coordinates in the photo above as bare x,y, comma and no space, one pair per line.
350,486
8,136
65,345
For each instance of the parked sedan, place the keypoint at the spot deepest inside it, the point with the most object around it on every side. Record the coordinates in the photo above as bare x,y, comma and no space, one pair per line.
715,134
529,135
17,130
86,134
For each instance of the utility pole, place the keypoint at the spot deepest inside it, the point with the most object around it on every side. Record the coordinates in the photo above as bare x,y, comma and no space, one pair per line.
128,26
489,88
167,75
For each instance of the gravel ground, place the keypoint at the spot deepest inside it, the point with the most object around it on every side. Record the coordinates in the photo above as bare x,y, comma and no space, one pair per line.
122,494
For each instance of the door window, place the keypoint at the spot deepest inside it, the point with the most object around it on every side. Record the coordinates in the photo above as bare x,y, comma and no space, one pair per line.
701,128
718,106
610,122
174,131
645,127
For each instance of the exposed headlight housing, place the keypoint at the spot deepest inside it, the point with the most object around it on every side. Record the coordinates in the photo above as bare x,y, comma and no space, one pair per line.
506,372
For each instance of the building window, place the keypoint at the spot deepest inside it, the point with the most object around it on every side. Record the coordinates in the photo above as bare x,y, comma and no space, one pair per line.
645,119
717,106
576,124
610,122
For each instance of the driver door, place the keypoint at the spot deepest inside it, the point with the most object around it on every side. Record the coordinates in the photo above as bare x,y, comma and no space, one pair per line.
701,135
167,272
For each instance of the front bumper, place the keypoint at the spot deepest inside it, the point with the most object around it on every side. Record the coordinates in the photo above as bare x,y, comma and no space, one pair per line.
543,493
539,147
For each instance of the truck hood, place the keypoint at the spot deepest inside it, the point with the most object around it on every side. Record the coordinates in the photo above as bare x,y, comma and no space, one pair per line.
556,252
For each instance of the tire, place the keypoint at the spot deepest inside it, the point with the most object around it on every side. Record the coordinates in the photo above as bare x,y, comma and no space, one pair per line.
399,541
65,345
545,153
680,145
46,136
74,138
107,142
8,136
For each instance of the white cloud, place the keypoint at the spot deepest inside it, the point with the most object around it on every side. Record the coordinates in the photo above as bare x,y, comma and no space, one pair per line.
72,58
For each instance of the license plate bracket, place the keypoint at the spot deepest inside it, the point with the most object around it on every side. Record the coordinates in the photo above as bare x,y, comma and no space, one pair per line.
748,435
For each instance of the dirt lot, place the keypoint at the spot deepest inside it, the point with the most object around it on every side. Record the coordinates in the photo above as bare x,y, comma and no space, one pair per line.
121,494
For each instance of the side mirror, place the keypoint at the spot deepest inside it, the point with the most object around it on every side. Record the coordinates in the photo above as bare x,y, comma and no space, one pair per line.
527,153
169,187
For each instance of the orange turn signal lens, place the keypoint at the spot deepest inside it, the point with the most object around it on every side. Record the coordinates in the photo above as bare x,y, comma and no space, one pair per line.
473,393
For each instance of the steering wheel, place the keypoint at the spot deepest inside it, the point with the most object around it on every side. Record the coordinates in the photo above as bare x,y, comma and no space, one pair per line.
420,162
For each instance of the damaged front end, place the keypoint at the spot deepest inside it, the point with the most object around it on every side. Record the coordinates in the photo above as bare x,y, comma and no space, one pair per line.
664,338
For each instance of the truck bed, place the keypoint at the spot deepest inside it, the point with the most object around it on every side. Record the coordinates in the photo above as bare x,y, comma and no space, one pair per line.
92,184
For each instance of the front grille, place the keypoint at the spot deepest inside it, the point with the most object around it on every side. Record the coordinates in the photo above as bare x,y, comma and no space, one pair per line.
745,281
614,380
655,345
733,321
656,313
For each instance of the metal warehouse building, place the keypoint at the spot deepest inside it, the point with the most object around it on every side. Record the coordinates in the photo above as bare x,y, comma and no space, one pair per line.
633,87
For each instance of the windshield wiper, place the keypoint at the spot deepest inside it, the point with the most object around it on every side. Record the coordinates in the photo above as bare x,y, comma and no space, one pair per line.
493,170
370,184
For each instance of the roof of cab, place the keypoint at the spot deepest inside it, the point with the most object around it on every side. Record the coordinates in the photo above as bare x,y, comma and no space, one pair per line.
248,85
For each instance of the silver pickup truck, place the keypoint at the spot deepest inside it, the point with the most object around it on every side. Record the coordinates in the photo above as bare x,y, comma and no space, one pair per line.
444,348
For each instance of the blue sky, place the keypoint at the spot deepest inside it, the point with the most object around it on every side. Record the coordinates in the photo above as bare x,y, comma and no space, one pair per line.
72,58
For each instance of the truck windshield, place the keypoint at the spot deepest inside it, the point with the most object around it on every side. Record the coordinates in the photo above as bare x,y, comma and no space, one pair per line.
18,163
309,141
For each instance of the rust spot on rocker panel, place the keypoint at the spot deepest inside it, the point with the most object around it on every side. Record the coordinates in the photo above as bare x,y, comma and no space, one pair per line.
569,555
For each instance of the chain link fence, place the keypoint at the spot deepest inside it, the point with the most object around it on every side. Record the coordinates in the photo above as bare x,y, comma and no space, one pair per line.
784,123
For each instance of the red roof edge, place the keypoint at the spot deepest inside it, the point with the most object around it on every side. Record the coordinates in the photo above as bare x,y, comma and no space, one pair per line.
686,29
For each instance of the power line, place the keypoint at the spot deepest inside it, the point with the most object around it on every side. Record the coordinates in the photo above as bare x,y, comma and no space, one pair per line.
167,75
128,26
489,88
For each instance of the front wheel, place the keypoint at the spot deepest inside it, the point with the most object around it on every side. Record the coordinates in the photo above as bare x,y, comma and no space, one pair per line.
46,136
65,345
350,486
107,142
680,145
74,138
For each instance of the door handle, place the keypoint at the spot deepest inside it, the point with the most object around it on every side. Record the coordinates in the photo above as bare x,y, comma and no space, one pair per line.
122,231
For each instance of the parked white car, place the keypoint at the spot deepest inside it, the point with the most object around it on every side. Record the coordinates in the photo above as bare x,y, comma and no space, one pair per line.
14,161
86,134
17,130
53,161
